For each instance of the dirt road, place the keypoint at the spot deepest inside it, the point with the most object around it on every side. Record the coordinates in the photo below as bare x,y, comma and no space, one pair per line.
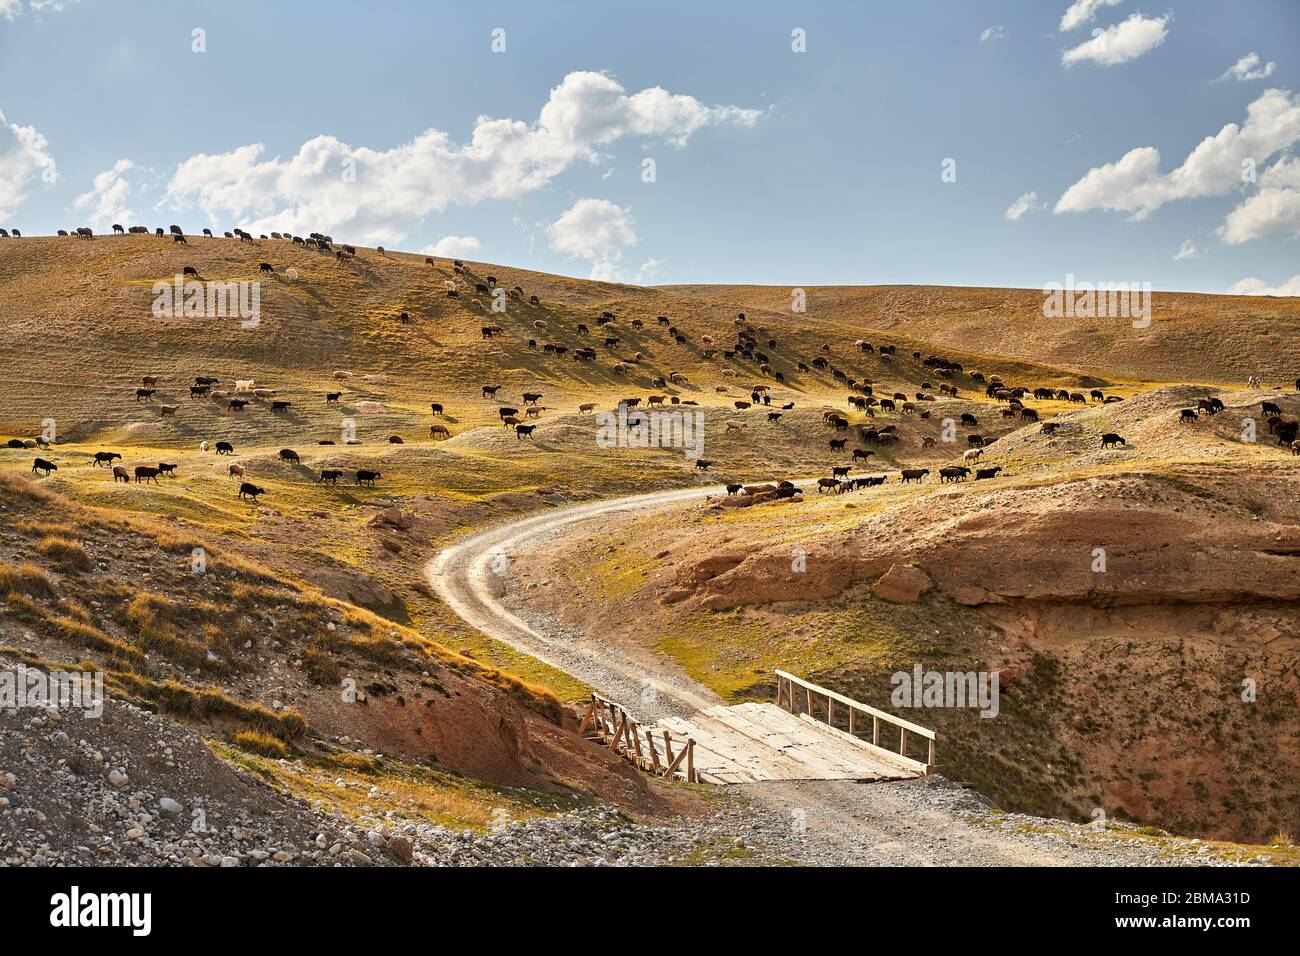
926,822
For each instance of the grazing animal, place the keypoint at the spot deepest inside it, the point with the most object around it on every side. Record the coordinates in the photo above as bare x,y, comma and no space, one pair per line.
983,473
145,393
166,469
972,455
235,471
837,444
702,465
1187,415
1110,439
190,271
266,267
841,472
773,416
953,473
105,458
289,455
439,431
42,465
280,406
225,448
146,473
249,491
490,391
733,488
861,455
524,431
1269,408
914,474
237,404
365,477
120,474
330,476
199,390
203,446
168,411
735,426
435,408
824,483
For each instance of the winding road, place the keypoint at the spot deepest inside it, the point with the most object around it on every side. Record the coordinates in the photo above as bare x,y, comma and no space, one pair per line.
470,577
839,822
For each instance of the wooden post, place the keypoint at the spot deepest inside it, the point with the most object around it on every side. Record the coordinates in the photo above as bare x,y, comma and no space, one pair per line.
809,694
829,712
930,759
690,761
618,734
902,741
668,746
636,739
875,730
654,754
852,711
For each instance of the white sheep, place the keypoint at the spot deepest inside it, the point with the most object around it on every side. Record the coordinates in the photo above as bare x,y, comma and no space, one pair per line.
243,384
735,426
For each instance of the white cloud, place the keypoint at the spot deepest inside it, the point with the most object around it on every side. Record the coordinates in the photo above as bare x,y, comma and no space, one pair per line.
108,196
24,156
10,9
649,270
997,32
1026,203
1253,286
1248,68
393,189
1083,11
1186,251
1273,210
596,230
1126,40
453,247
1134,183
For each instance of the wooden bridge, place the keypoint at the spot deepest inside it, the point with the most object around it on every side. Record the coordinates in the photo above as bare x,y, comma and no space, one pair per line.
809,733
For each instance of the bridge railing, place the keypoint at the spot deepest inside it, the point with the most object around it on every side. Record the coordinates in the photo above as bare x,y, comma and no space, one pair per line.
800,696
619,731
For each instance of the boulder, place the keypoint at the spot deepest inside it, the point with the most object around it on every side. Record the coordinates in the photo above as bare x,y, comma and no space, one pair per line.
902,584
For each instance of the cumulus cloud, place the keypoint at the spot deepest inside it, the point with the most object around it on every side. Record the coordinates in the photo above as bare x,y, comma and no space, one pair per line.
24,157
1186,251
107,200
1126,40
1134,183
1273,210
379,195
453,247
1084,11
996,32
1254,286
596,230
1026,203
1249,68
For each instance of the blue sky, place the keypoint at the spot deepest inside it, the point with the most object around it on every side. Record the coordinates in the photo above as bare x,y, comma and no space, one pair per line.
771,166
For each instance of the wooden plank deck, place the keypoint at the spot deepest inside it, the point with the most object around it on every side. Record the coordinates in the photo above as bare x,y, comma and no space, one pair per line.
761,741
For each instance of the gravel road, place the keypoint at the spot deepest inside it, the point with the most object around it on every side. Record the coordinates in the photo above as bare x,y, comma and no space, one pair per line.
927,822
